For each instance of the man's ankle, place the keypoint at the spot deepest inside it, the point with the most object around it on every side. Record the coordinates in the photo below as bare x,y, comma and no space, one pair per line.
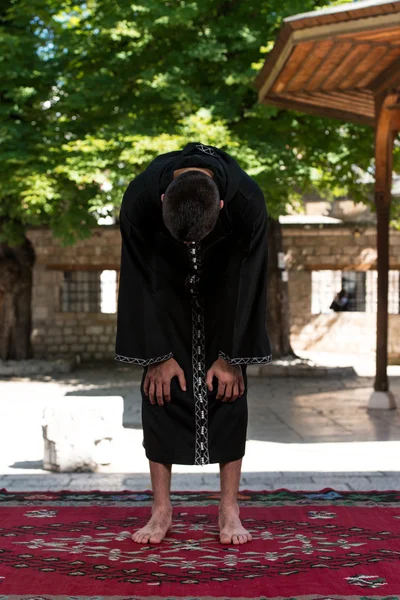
228,505
163,506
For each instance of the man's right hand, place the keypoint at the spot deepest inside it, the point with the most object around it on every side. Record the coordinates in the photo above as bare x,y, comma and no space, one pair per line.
157,383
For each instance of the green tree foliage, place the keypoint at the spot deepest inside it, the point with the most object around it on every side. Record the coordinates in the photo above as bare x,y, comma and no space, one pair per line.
92,91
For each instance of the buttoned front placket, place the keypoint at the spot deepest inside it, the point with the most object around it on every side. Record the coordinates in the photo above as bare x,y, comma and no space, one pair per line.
198,356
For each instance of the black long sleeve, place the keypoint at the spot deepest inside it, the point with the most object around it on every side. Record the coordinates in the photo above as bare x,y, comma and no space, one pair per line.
244,339
141,338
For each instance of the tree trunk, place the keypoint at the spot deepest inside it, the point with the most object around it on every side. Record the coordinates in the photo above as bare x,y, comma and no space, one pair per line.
278,317
16,263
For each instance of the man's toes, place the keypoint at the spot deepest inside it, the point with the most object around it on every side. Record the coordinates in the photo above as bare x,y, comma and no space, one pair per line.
242,539
249,537
155,538
225,538
235,539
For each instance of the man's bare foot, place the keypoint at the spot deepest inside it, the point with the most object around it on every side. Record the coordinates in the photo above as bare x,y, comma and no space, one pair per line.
156,529
230,526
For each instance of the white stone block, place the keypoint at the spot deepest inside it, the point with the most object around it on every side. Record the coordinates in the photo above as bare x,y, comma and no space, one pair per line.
81,432
382,400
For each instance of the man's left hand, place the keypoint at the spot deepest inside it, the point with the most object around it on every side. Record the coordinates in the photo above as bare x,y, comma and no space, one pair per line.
230,380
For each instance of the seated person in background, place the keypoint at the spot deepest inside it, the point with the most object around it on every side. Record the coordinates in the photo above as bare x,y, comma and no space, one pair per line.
340,301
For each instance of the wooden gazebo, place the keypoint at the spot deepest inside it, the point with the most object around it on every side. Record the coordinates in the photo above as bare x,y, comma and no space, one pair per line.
344,62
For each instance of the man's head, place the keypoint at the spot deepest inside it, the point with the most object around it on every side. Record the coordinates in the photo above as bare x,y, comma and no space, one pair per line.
191,206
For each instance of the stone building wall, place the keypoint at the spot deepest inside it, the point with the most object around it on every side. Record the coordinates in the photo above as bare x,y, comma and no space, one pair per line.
91,335
335,247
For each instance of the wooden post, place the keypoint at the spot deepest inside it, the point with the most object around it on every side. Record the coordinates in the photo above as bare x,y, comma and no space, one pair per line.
386,120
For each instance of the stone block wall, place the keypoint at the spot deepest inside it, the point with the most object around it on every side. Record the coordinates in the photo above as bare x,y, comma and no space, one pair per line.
307,247
90,335
334,247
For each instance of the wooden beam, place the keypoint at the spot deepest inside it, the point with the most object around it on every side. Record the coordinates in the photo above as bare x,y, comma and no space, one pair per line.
344,12
371,43
276,69
381,66
273,57
346,67
319,111
333,58
353,93
364,94
297,57
384,140
347,27
310,65
395,120
332,102
389,78
390,34
363,104
372,58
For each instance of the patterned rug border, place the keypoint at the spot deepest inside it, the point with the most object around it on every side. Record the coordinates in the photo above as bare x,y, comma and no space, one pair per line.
263,498
177,492
242,492
169,597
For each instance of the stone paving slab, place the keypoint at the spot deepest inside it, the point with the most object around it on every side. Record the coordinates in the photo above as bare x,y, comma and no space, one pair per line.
384,483
310,487
210,481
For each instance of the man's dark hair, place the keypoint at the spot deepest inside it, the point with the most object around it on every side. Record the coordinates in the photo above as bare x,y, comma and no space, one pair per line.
191,206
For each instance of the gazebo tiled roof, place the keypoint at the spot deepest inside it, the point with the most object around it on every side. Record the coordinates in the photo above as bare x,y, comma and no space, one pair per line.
334,61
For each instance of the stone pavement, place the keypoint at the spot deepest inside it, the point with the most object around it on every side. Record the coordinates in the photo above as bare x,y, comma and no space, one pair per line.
303,434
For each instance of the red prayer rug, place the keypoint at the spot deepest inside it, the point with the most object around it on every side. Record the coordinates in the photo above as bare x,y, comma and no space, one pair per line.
325,545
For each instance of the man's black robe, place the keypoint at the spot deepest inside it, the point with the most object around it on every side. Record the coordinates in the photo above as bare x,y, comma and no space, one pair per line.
194,303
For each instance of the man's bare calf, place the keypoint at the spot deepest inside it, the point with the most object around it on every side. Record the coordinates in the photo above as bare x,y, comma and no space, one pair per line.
230,525
161,513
